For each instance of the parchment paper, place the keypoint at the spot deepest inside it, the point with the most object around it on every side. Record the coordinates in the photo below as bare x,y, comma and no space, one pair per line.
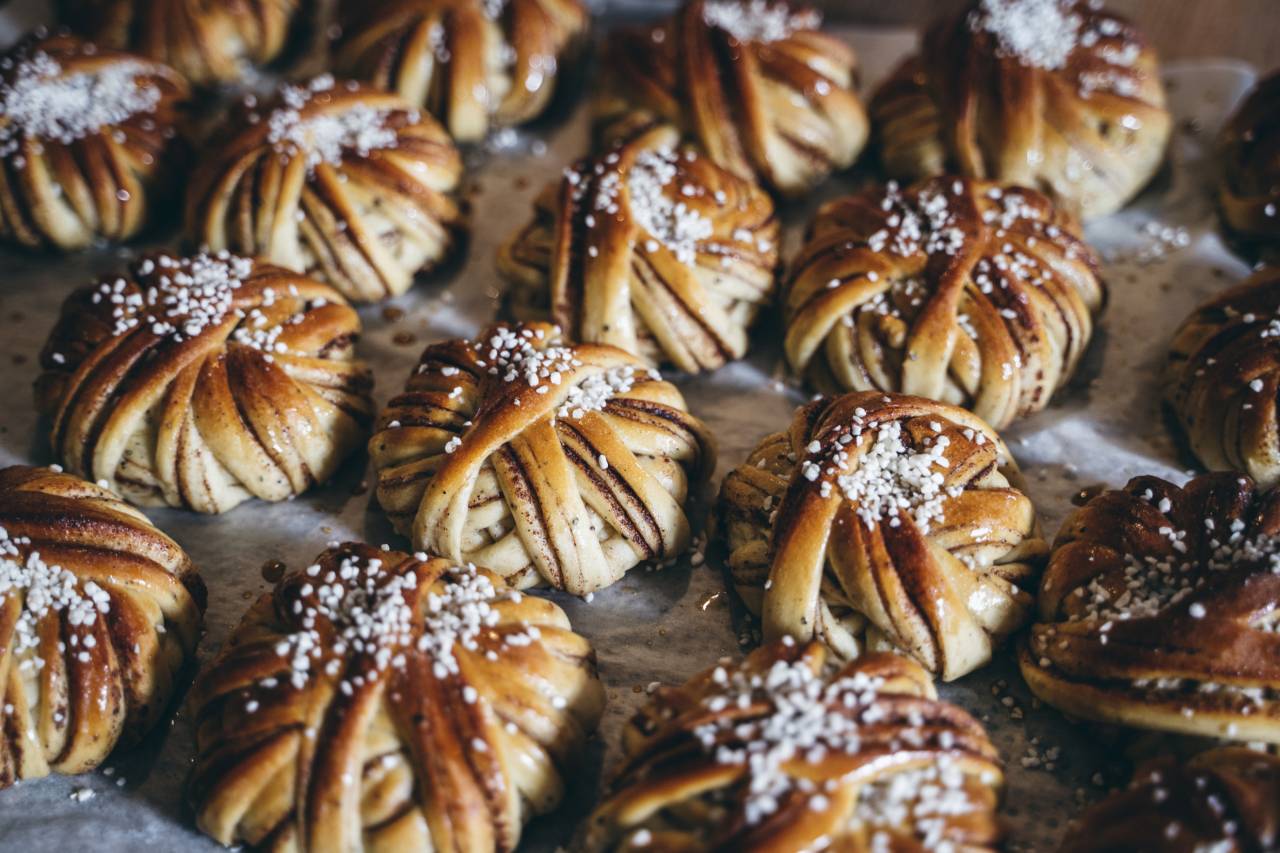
659,626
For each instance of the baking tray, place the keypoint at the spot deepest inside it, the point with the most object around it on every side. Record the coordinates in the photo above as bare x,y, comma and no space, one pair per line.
1163,256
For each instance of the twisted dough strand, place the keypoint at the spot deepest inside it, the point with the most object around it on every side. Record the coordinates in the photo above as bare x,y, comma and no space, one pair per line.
73,688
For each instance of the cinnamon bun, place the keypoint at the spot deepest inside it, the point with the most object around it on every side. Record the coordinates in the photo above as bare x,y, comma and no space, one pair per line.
754,83
1223,377
349,185
1226,800
975,294
208,42
1158,610
882,522
785,752
551,463
1064,97
477,64
101,612
381,701
89,142
651,248
1249,184
204,381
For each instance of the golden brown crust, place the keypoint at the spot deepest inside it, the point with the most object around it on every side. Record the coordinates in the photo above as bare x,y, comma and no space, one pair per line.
99,612
1088,128
64,192
208,41
553,464
349,185
1223,378
865,758
471,64
775,107
819,549
1225,800
1157,610
201,382
963,291
382,701
1249,186
650,248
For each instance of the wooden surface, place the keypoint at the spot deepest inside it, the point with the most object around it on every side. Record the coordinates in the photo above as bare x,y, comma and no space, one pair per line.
1243,29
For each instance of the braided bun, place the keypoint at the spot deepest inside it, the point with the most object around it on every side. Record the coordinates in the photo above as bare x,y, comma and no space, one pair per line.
650,248
1223,377
209,42
783,752
1249,187
1226,800
963,291
556,464
88,142
884,522
1061,96
476,64
1157,610
99,612
201,382
752,82
378,701
348,185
